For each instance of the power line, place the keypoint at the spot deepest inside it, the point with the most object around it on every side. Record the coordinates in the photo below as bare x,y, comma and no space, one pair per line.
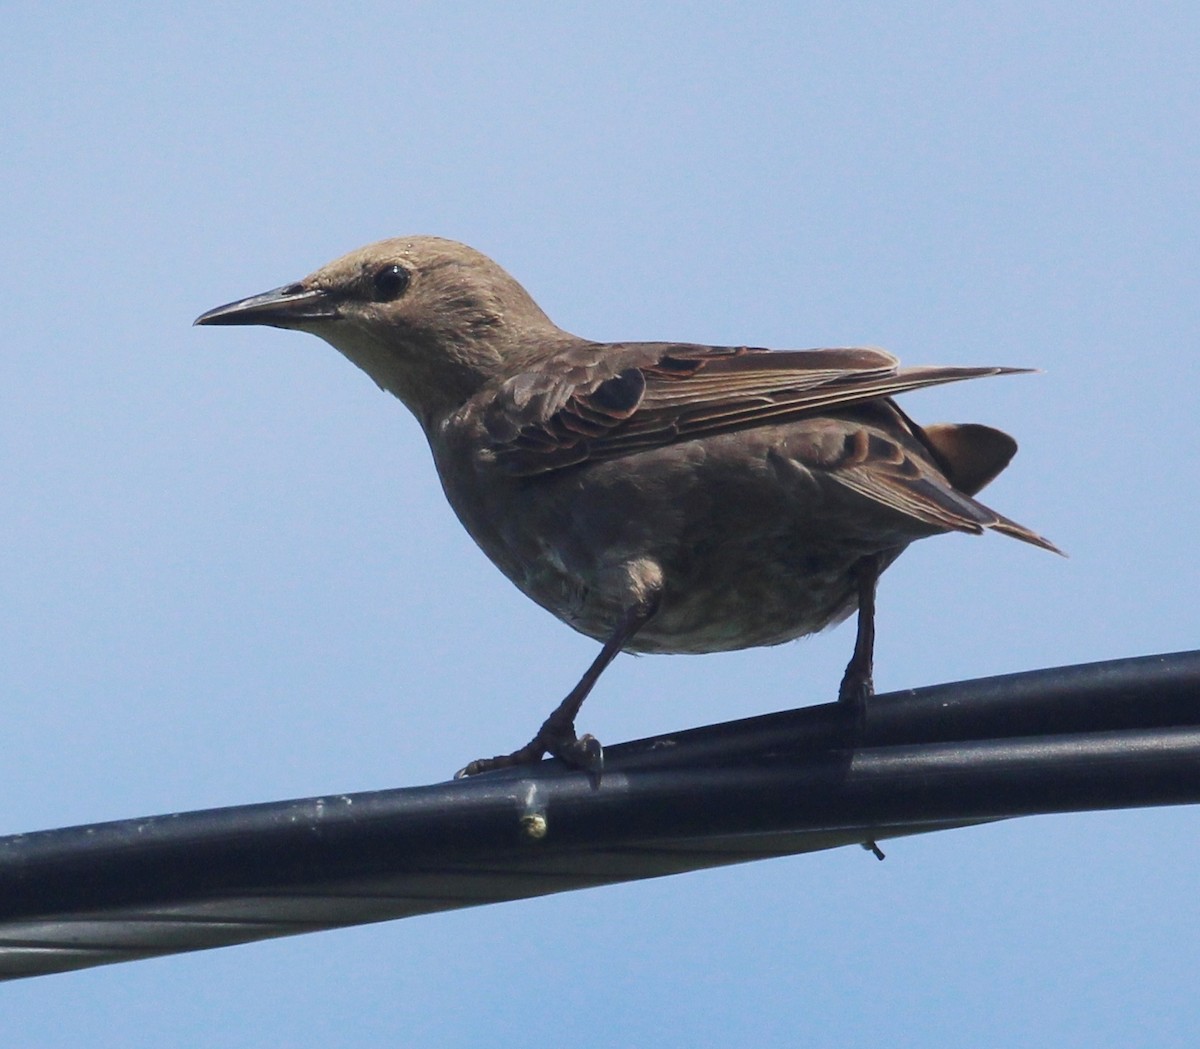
1119,734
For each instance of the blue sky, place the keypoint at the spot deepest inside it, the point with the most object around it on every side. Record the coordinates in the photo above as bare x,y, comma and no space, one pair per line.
227,573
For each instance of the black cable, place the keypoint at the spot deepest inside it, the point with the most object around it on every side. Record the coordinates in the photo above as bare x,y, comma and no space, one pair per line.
1105,735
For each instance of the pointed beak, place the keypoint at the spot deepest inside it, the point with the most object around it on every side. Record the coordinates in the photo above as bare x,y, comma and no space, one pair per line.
291,306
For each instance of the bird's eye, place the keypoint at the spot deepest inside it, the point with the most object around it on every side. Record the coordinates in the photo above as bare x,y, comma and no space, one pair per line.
390,282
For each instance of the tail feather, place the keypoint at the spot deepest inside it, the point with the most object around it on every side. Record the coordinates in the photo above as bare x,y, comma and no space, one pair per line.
972,455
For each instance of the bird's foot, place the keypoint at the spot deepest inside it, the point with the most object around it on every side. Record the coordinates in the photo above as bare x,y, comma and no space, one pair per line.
854,694
555,738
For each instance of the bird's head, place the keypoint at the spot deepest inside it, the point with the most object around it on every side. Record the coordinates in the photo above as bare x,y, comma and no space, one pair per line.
430,320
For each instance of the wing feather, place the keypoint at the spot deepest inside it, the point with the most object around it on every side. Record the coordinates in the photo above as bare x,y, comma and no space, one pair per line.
595,402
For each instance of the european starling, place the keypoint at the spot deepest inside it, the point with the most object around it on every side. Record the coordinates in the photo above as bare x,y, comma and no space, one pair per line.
656,496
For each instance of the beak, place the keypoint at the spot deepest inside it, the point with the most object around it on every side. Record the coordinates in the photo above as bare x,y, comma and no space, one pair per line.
288,307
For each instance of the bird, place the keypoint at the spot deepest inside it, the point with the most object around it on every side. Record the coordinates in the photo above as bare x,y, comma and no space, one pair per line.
659,497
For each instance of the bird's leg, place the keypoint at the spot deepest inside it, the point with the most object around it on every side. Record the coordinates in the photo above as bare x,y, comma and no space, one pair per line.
858,685
557,734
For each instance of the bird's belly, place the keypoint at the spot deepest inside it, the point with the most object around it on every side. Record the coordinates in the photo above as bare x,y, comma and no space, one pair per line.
743,560
747,598
733,596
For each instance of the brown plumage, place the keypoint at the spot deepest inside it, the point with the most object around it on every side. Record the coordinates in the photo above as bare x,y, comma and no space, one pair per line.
660,497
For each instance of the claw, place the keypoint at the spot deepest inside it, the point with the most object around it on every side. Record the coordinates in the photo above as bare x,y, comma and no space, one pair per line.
557,734
584,753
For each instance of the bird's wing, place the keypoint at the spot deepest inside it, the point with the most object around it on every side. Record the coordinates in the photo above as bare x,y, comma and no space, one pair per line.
598,402
891,465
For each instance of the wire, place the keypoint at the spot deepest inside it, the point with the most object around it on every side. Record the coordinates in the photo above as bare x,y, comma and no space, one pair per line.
1118,734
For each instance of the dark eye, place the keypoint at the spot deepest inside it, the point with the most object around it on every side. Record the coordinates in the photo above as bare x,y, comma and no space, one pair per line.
390,282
